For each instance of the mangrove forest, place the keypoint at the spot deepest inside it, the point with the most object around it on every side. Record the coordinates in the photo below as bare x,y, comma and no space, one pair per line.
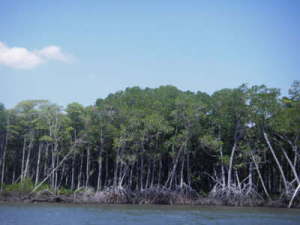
237,146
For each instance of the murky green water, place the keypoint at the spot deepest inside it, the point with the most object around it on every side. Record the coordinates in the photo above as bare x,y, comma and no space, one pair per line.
63,214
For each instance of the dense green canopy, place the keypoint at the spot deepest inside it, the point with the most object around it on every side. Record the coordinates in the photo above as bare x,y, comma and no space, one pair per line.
144,138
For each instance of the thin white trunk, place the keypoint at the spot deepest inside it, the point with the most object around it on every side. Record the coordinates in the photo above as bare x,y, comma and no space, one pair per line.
59,165
291,165
87,167
260,176
277,161
294,195
230,165
23,159
38,164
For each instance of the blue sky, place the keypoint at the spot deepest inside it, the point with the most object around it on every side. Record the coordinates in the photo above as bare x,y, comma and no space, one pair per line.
79,51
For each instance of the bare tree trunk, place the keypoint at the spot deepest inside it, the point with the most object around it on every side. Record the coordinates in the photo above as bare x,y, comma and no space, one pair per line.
159,171
87,167
106,169
61,177
148,175
116,168
28,157
38,164
52,166
294,195
291,165
80,172
172,173
3,167
181,172
123,173
46,160
14,175
222,168
230,164
152,174
58,165
3,161
99,180
56,174
188,168
141,173
277,161
222,163
295,149
23,160
260,177
130,176
73,172
238,180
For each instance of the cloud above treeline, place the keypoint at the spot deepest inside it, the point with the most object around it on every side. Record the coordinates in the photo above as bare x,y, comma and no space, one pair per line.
22,58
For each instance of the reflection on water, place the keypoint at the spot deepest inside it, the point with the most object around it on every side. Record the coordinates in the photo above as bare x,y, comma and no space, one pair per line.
64,214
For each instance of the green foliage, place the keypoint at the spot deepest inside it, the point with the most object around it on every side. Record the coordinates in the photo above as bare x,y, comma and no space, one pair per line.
46,138
65,191
210,142
147,129
23,187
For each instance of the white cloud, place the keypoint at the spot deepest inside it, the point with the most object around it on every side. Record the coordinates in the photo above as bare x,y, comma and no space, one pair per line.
22,58
53,52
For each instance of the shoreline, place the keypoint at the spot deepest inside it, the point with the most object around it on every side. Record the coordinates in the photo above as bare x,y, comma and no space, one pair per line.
82,199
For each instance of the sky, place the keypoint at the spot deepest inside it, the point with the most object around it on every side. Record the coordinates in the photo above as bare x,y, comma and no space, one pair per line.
78,51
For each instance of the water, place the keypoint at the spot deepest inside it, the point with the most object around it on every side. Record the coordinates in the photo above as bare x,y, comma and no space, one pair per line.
64,214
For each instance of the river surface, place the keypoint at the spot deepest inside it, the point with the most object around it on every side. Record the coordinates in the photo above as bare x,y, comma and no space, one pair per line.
68,214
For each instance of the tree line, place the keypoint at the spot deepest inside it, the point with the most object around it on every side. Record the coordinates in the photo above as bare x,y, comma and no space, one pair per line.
241,140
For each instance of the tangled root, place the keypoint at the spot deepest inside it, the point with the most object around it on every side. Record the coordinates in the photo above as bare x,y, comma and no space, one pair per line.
236,195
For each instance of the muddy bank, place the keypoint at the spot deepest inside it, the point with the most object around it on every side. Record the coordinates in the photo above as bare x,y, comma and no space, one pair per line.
121,196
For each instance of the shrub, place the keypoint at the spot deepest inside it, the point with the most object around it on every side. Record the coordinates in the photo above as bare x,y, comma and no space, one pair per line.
26,186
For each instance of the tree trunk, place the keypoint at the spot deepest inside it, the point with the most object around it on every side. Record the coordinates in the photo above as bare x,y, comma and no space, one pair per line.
73,172
116,168
222,168
28,157
130,176
159,171
87,167
46,160
148,175
260,176
3,161
80,172
152,174
99,180
172,173
188,168
181,172
23,159
141,173
230,164
277,161
291,165
38,164
59,164
294,195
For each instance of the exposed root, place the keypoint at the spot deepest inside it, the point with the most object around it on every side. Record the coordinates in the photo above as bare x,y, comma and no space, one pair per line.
236,195
118,195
